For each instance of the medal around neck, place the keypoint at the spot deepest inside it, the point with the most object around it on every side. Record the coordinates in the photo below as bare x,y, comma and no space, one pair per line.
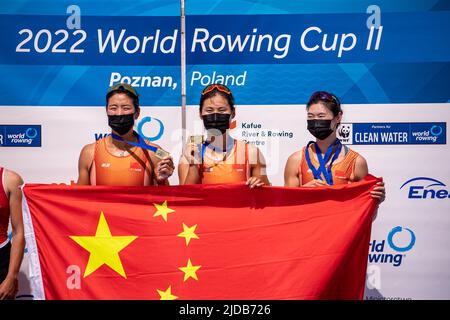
159,152
199,139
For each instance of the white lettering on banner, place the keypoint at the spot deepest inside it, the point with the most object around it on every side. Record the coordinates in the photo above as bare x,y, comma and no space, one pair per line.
19,138
394,137
429,138
380,126
22,141
48,39
227,79
369,41
143,81
114,41
344,45
238,43
365,137
424,136
132,44
16,136
383,137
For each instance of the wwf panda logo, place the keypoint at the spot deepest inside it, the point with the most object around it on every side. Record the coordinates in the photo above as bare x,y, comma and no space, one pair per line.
344,131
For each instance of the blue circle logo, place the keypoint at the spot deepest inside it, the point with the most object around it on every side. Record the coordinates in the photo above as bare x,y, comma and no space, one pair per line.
149,119
31,133
397,248
433,128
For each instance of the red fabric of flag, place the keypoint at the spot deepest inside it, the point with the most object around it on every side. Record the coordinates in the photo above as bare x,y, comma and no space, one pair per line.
202,241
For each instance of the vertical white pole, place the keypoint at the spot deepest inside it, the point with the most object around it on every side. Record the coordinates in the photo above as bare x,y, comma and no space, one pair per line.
183,71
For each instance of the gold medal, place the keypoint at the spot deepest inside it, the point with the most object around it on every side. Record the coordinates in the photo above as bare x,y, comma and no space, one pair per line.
161,153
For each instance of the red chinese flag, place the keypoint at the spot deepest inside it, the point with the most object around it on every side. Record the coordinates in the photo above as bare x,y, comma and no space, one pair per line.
199,241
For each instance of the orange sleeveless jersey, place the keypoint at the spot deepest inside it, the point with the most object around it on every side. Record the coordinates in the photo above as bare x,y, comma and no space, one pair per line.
340,171
234,169
111,170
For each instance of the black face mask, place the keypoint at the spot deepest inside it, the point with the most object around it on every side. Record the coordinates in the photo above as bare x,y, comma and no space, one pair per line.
218,121
321,129
121,124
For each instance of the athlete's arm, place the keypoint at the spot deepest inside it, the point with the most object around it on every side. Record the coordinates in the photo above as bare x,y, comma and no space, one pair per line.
188,167
85,163
292,176
162,168
258,175
362,170
9,287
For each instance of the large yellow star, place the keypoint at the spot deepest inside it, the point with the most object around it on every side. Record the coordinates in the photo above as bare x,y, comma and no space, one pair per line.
162,210
103,248
166,295
188,233
190,271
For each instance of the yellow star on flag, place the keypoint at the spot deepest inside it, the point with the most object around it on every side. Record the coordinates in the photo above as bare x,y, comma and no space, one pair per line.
188,233
162,210
190,271
103,248
167,295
